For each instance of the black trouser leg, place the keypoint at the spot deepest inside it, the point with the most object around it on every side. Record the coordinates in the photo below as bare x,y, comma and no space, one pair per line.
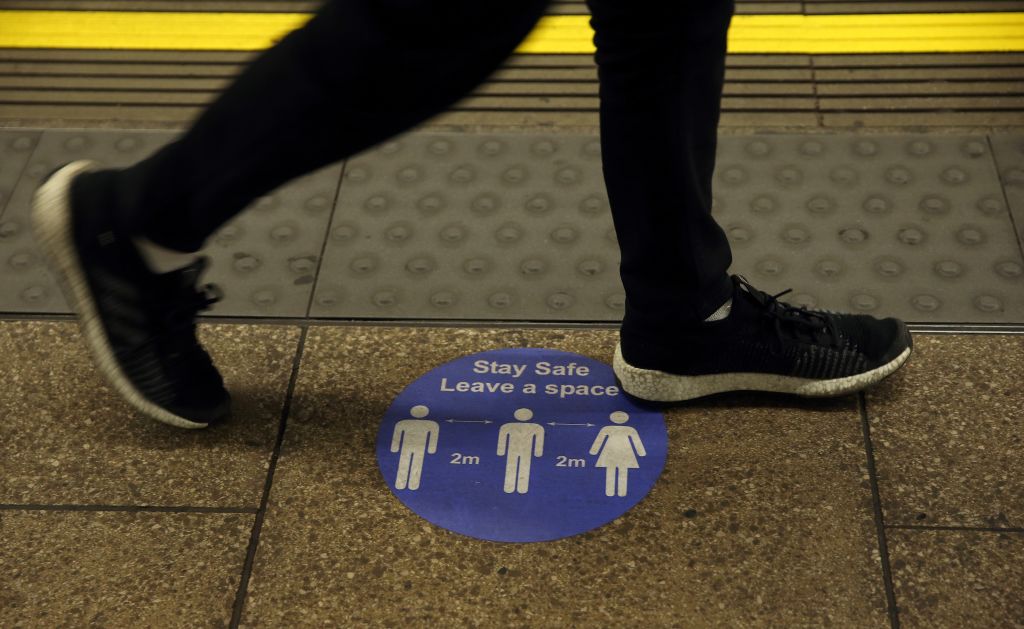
661,66
359,72
364,70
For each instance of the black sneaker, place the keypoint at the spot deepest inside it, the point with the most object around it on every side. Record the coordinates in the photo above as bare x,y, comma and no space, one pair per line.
763,345
138,325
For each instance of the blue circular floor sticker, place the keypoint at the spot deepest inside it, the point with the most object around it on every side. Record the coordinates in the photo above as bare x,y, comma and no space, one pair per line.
520,445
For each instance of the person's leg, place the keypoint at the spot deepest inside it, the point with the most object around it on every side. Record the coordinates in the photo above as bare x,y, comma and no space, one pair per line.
661,67
358,73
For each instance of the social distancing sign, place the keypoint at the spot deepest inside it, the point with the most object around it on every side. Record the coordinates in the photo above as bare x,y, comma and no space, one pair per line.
520,445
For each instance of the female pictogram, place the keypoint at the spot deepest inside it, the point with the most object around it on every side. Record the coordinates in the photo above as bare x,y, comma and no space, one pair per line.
615,445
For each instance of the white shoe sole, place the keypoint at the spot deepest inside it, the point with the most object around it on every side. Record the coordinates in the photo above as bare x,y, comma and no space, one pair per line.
51,224
659,386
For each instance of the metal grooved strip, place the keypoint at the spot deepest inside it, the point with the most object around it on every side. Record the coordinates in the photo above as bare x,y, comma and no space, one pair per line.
167,89
517,227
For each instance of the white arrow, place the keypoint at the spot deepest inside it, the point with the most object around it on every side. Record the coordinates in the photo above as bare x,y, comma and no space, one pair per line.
562,424
469,421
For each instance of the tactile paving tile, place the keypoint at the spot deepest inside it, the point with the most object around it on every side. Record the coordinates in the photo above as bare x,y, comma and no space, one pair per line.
15,149
913,225
265,259
504,227
458,226
1009,153
479,227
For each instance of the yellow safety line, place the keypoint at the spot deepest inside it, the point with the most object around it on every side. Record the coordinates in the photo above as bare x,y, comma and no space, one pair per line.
559,34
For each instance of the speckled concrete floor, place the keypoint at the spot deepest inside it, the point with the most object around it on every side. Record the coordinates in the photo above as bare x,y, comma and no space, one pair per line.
771,511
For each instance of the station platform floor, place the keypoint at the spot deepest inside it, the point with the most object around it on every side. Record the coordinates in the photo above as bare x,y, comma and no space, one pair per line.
771,510
891,184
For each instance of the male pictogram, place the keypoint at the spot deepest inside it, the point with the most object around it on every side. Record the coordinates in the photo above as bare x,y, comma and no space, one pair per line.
415,438
520,442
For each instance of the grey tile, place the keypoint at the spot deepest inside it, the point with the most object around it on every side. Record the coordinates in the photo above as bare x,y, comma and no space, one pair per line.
28,284
15,149
266,258
1009,153
499,227
908,225
435,226
455,226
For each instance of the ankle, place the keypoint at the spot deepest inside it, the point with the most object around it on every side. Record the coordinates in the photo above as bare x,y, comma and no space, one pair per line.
161,259
723,312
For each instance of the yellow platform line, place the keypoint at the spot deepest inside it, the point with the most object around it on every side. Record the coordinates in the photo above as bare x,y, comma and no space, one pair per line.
561,34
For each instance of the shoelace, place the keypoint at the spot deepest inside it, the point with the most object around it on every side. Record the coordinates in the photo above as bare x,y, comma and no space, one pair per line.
804,324
178,321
